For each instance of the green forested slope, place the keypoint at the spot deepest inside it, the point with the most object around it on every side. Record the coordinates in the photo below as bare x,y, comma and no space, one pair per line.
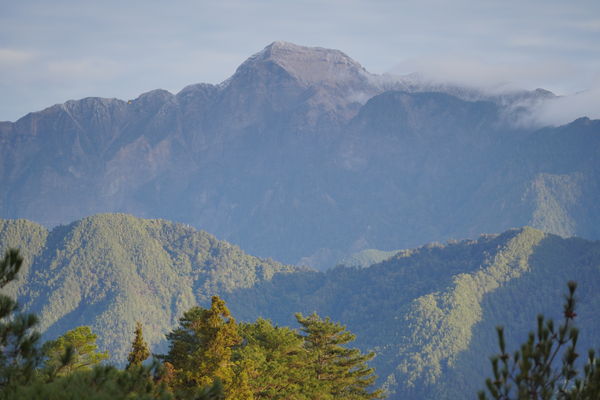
110,270
429,313
26,236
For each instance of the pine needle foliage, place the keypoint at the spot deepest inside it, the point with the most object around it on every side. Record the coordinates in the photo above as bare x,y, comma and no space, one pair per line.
273,358
76,350
102,382
139,348
544,367
19,352
335,371
200,349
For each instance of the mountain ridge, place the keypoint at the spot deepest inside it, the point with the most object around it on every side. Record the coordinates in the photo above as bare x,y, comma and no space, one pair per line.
277,52
109,270
428,312
303,170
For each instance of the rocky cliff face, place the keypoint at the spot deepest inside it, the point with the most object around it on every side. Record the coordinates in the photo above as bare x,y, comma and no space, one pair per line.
304,155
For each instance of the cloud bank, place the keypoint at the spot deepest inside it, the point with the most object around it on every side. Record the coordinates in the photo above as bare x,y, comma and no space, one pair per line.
565,109
510,76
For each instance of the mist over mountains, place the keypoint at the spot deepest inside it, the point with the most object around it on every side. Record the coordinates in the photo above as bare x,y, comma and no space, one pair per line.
304,156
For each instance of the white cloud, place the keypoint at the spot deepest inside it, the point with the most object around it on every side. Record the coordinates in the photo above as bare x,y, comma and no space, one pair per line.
90,68
588,25
12,57
577,86
499,76
565,109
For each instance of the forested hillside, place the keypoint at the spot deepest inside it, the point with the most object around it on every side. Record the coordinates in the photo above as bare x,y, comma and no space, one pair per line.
429,313
111,270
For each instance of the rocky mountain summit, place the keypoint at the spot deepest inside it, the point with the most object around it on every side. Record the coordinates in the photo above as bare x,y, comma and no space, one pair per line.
304,156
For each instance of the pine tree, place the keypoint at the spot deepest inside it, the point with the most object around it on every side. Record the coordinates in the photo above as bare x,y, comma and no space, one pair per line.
200,349
336,372
272,358
212,392
76,350
241,388
102,382
544,367
19,352
139,348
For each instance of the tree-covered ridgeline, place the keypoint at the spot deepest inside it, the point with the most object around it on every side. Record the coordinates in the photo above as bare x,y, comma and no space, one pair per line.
210,357
429,313
109,270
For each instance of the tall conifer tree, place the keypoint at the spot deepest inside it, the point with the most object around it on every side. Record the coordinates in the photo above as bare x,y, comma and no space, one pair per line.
139,348
272,358
336,372
200,349
19,352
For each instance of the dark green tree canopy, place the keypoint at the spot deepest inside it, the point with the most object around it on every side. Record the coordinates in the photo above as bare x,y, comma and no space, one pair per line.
19,352
274,359
74,351
139,348
544,367
337,372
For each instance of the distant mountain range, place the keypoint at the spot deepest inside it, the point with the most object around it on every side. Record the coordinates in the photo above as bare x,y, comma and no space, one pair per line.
304,156
429,313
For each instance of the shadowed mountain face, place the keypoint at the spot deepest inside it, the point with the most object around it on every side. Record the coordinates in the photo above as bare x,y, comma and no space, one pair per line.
304,156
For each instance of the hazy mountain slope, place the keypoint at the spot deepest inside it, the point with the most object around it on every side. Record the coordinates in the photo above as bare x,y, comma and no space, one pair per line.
304,156
111,270
366,258
30,239
431,313
548,180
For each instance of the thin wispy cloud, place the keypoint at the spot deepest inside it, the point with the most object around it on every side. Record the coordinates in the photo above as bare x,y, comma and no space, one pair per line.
486,75
92,68
11,57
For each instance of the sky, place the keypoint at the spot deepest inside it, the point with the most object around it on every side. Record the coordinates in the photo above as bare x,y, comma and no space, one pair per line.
54,51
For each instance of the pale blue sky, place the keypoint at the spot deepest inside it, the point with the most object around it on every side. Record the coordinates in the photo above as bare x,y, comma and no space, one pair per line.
53,51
